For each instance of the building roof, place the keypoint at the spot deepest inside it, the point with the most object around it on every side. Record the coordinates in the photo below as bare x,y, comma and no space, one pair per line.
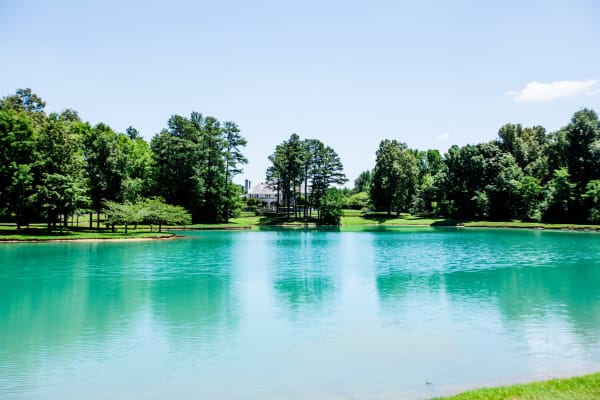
261,188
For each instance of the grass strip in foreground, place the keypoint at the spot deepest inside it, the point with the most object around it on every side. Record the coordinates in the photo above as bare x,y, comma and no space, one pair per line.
578,388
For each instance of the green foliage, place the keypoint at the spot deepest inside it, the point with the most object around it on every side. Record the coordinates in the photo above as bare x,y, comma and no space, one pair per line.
299,164
591,198
331,207
529,192
394,177
482,205
194,162
559,197
583,136
152,211
52,166
363,182
18,160
156,211
358,201
123,214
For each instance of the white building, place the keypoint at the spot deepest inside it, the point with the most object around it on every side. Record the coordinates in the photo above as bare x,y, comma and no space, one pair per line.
264,193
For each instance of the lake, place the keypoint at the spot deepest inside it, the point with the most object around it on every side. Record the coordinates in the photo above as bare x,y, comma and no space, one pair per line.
292,314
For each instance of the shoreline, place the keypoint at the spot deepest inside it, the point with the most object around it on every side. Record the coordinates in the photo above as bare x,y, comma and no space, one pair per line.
100,239
570,386
251,227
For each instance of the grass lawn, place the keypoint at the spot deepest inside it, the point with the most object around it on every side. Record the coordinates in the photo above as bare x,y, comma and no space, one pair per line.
39,232
352,218
579,388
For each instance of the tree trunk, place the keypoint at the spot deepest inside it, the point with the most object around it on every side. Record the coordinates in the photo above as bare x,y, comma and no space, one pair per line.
305,192
91,217
98,219
125,228
227,191
277,205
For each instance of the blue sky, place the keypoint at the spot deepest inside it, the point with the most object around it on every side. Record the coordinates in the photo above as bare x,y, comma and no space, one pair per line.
349,73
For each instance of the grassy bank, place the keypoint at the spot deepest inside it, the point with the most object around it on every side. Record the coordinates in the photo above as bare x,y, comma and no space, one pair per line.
351,218
9,233
579,388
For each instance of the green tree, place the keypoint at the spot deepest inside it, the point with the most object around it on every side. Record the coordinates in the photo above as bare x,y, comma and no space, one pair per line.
155,211
296,162
211,171
287,169
195,160
233,161
529,192
175,170
25,101
363,182
325,169
394,177
528,146
331,207
560,197
61,189
358,201
591,198
137,180
432,172
123,214
105,168
583,135
18,159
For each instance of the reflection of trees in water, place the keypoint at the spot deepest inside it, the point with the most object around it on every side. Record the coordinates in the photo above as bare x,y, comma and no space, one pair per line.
59,295
520,294
537,292
195,296
300,288
304,264
196,309
64,299
526,274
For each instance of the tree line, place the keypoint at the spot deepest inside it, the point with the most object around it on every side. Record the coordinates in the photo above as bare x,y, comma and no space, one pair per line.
302,172
55,165
526,173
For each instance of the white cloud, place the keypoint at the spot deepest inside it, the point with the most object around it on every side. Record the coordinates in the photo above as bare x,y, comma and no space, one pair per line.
539,91
443,137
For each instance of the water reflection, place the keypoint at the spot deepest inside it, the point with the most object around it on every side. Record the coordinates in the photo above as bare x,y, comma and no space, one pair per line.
303,271
272,313
526,276
194,296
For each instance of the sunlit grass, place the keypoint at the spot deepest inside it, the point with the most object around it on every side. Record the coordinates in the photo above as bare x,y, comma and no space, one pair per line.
80,229
579,388
36,233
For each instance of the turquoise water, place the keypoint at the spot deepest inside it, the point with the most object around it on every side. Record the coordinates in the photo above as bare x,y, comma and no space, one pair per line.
276,314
